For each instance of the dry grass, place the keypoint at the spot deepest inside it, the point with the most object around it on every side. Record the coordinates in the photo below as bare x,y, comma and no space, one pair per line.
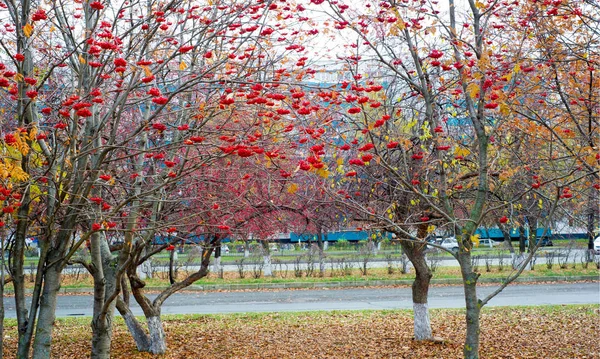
537,332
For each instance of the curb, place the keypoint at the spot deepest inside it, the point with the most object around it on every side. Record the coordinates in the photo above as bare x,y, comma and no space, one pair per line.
341,284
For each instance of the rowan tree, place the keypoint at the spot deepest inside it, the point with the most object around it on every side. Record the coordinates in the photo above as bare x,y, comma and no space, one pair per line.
462,71
96,88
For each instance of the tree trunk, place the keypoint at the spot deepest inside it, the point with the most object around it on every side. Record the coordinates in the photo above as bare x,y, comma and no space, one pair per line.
2,304
422,324
105,283
506,236
246,249
155,341
522,239
158,341
320,244
2,282
101,338
25,331
142,340
420,289
471,346
47,314
172,278
591,224
268,268
217,267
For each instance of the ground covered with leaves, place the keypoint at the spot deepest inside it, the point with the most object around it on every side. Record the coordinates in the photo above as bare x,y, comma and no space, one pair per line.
533,332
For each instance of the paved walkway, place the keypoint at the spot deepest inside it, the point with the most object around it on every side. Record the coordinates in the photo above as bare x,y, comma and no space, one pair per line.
340,299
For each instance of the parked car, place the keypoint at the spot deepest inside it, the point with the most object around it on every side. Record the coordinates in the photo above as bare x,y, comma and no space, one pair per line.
431,240
487,242
597,245
449,243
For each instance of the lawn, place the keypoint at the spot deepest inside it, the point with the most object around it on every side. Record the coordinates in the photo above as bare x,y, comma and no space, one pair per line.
510,332
374,274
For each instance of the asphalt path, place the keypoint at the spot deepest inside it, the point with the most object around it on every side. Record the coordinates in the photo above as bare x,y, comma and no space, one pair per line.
340,299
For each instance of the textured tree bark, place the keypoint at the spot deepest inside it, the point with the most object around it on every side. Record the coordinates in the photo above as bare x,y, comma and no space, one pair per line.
268,268
522,239
321,245
101,338
422,324
142,340
473,307
2,296
158,341
420,289
471,346
217,267
591,215
47,314
172,278
24,326
105,277
267,265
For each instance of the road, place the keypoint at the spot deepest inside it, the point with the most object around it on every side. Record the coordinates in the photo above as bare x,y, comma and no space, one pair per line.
340,299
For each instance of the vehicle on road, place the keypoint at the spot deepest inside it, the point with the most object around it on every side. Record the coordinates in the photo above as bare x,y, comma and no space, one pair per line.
449,243
597,245
487,242
431,241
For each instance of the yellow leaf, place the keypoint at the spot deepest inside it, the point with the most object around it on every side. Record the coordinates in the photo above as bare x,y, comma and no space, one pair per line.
473,90
461,151
81,59
27,30
475,240
400,24
292,188
182,65
32,133
591,160
323,172
504,109
147,71
18,174
19,77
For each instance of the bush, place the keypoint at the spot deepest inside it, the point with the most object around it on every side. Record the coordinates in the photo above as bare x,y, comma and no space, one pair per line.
549,260
31,252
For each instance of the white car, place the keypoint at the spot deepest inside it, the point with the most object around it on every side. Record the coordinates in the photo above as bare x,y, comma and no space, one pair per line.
597,245
486,242
449,243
